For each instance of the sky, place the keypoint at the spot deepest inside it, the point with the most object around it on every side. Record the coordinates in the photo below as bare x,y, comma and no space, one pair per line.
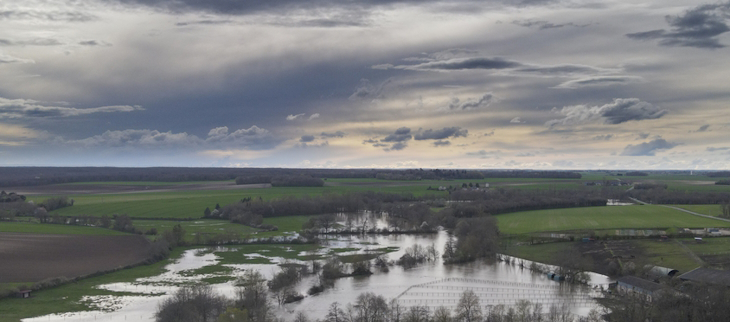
501,84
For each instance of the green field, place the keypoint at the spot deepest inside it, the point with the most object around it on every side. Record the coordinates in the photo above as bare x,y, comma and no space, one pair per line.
191,203
712,210
287,225
142,183
37,228
608,217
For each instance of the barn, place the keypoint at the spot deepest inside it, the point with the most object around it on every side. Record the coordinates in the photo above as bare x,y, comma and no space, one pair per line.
707,276
640,286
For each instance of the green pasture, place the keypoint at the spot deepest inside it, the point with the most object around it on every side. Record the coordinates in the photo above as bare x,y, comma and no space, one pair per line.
38,228
142,183
684,186
608,217
712,210
191,203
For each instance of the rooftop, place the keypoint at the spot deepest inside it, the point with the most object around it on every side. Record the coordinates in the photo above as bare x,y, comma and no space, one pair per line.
640,283
707,275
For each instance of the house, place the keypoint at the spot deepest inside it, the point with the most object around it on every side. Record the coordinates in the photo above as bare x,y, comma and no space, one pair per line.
707,276
638,286
24,294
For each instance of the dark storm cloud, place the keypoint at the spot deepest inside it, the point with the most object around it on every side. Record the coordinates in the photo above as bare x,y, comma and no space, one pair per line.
619,111
20,108
544,25
471,104
401,135
601,81
338,134
306,138
648,148
250,7
441,134
68,16
699,27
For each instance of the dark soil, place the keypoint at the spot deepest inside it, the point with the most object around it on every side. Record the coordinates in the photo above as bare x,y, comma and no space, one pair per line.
28,258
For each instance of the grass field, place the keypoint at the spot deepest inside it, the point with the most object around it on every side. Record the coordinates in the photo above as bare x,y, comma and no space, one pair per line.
286,226
143,183
66,298
712,210
37,228
608,217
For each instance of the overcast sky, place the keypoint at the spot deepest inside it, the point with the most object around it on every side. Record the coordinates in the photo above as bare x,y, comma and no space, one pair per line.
536,84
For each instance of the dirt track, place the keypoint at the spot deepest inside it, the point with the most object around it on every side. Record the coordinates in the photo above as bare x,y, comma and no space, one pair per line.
27,258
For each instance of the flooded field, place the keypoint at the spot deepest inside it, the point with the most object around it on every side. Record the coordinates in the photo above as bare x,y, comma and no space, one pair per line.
433,284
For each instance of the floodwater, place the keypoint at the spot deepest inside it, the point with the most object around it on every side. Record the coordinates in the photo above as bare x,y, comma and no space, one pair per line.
433,284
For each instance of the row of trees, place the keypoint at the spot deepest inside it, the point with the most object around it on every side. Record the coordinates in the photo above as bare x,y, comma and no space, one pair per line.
724,182
199,303
667,196
692,303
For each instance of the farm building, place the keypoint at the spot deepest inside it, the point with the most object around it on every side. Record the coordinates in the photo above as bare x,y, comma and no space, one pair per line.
635,285
658,272
24,294
707,276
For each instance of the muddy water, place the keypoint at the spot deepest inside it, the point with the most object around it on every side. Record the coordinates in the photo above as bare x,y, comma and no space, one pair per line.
433,284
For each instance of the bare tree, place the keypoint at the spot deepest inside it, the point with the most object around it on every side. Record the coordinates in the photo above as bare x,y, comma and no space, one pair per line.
468,309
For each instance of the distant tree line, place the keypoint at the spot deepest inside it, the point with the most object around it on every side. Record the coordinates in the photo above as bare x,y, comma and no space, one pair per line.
648,186
52,204
665,196
27,176
10,197
499,201
719,174
724,182
636,174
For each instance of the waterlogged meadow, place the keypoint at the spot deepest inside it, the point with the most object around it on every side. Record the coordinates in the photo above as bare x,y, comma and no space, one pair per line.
433,284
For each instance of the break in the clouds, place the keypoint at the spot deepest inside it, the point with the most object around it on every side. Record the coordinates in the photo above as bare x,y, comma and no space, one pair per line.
20,108
648,148
699,27
445,133
619,111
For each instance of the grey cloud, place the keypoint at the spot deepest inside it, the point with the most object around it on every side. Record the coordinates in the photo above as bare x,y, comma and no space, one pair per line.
313,116
370,141
516,120
400,135
306,138
525,154
369,91
601,81
379,145
619,111
397,146
441,134
648,148
604,137
338,134
20,108
642,136
441,143
702,128
713,149
31,42
489,133
277,6
471,104
462,64
68,16
484,154
94,43
544,25
564,70
255,138
699,27
7,59
202,22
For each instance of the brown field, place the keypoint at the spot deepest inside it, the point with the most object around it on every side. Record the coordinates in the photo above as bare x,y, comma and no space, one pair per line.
28,258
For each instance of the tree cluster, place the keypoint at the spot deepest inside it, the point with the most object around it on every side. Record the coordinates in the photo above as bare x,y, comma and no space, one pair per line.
679,197
649,186
499,201
253,179
10,197
52,204
692,303
724,182
636,174
296,181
